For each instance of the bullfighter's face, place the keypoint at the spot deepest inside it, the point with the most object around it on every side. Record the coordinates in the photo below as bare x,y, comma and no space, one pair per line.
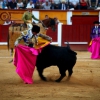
96,24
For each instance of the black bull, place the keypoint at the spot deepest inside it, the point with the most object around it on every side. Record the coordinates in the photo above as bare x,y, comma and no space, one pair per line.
62,57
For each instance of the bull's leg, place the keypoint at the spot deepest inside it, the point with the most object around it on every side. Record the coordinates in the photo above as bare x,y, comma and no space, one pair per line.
63,74
70,71
40,72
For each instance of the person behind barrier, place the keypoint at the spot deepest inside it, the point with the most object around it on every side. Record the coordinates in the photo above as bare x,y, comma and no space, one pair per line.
20,4
46,5
63,5
95,32
83,4
12,4
30,4
7,22
74,4
27,18
94,3
46,17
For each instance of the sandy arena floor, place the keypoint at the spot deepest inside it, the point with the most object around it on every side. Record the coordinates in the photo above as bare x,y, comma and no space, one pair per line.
83,85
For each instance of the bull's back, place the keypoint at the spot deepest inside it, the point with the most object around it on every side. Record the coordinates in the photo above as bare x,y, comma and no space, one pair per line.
55,55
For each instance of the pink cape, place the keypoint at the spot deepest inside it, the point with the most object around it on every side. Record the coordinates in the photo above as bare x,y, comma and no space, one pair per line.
94,48
25,60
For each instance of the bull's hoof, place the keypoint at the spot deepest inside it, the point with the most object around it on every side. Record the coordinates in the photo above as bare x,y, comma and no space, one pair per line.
57,80
68,78
44,79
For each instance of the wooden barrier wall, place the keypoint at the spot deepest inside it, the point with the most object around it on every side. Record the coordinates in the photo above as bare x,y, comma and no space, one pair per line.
78,36
78,32
62,15
70,33
4,29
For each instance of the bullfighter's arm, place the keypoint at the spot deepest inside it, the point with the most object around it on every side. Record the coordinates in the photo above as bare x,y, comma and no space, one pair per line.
20,38
45,37
34,18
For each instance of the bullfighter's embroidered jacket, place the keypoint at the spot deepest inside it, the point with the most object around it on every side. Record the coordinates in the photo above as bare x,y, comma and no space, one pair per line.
39,40
95,32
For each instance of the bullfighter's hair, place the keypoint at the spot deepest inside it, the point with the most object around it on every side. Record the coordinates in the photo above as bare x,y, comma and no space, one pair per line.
36,29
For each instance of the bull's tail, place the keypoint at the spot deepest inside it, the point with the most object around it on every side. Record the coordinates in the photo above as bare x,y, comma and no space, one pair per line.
68,46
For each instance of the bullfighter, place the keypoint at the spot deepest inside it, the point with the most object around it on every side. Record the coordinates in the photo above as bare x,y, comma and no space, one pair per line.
35,39
27,18
25,56
94,46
